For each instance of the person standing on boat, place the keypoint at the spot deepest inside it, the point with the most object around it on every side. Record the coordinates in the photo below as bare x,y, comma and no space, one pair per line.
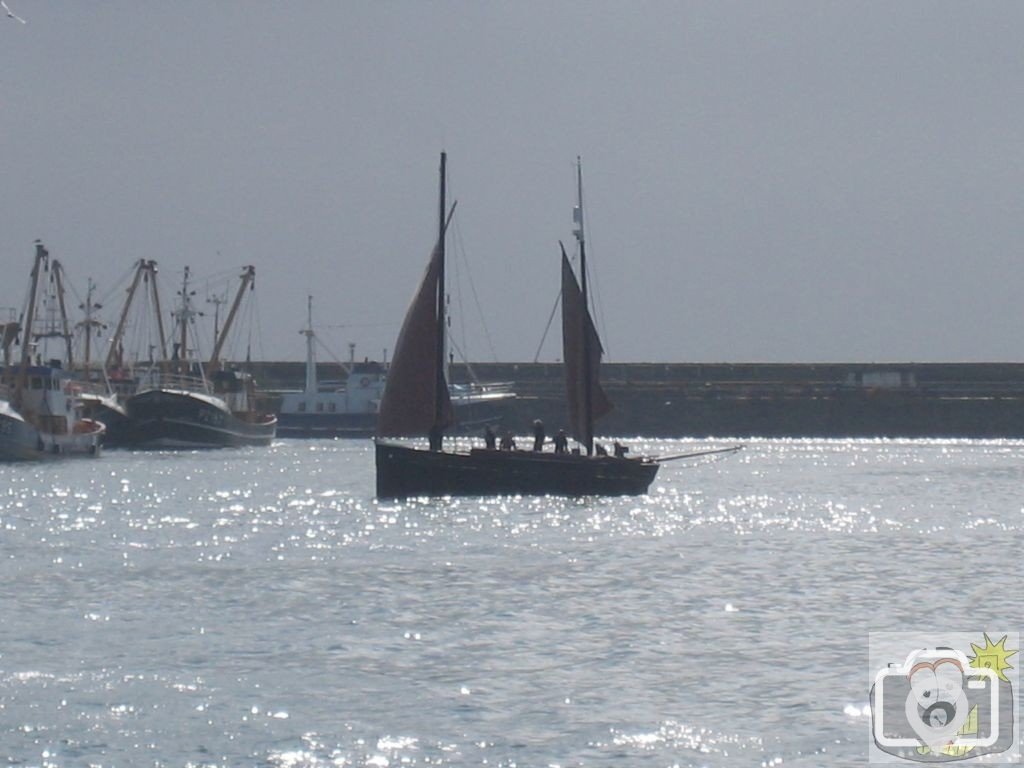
561,442
489,438
508,442
538,435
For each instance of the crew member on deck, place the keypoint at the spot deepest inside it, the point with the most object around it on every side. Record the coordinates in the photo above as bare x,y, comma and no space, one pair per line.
600,450
538,435
489,438
620,450
508,442
561,442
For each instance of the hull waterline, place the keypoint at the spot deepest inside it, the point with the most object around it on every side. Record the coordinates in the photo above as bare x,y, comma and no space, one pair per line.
404,472
181,419
21,441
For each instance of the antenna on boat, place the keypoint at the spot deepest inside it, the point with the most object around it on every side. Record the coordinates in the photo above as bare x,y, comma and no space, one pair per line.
311,385
89,324
217,300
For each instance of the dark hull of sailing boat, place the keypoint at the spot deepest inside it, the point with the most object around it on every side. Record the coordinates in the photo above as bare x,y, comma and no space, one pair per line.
161,418
403,472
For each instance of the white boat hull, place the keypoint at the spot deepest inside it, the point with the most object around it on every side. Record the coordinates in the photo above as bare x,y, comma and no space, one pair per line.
21,441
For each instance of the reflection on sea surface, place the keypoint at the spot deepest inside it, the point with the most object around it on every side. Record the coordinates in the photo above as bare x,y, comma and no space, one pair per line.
260,607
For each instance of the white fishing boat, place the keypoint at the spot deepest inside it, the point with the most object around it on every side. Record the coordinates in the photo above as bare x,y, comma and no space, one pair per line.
323,409
40,412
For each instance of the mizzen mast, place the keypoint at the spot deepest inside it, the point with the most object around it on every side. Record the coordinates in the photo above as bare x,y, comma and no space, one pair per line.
440,384
588,395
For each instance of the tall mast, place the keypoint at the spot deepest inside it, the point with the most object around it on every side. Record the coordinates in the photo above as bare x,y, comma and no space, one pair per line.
58,276
88,325
184,316
26,326
588,406
151,271
440,384
247,279
115,342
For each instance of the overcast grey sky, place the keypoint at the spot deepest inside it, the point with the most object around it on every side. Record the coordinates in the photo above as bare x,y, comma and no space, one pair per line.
765,181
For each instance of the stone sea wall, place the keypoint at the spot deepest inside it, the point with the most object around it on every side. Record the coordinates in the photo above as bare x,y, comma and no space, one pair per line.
976,400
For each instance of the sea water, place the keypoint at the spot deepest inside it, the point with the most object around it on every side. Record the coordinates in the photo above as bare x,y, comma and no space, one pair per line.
260,607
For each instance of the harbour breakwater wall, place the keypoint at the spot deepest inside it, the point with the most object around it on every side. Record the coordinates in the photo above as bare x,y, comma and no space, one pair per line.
969,400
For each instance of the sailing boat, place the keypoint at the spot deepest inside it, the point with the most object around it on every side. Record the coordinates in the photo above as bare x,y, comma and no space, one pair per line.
416,402
182,410
40,415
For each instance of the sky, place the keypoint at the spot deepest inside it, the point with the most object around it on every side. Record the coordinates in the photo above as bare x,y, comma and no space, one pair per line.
785,181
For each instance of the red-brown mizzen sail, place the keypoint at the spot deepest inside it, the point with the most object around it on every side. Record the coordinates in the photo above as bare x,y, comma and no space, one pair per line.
577,326
408,405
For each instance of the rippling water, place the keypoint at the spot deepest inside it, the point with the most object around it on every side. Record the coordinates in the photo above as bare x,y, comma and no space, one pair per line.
259,607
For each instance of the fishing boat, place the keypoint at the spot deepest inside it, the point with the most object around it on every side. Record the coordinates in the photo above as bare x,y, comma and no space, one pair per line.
323,409
186,404
109,386
416,402
40,414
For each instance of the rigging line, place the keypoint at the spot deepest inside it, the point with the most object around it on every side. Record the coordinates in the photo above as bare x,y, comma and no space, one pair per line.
465,361
70,287
599,306
254,325
222,276
323,345
142,341
257,324
551,317
476,297
345,366
236,338
118,284
330,352
458,293
333,326
354,325
251,320
469,367
596,297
